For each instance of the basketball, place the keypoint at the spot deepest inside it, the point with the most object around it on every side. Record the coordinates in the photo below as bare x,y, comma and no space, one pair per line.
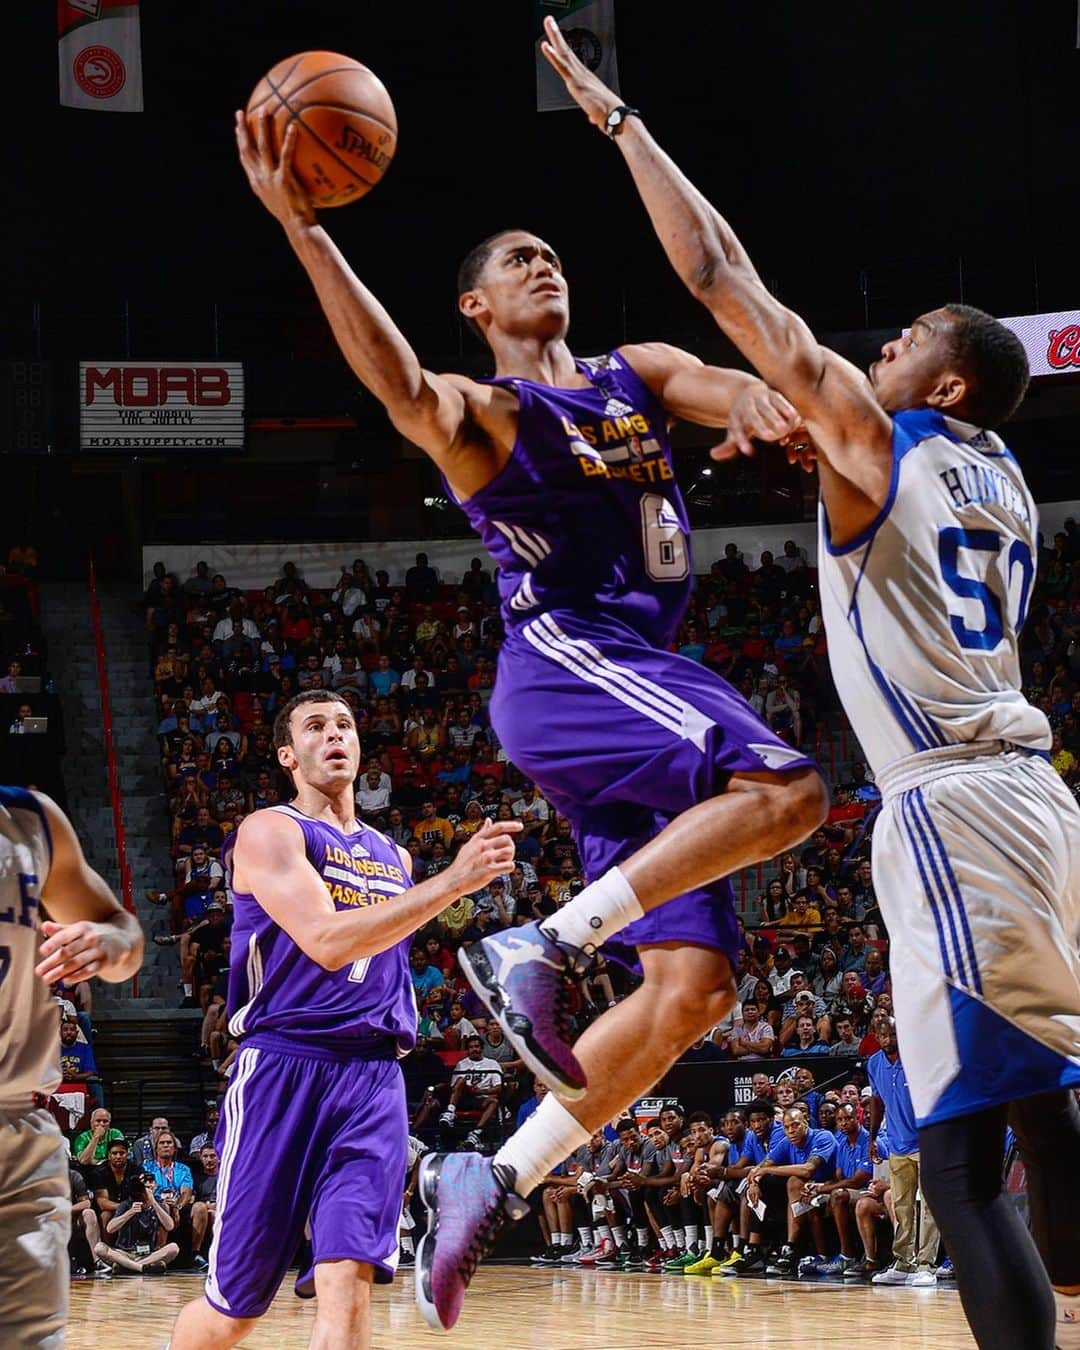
346,125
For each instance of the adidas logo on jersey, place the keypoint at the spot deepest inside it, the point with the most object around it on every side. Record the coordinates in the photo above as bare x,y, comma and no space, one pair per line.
615,407
359,851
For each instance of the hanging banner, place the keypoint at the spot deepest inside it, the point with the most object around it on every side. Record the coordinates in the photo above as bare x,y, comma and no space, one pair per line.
100,55
589,28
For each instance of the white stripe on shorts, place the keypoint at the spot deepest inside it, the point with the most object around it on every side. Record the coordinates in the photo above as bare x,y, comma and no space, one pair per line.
626,685
246,1063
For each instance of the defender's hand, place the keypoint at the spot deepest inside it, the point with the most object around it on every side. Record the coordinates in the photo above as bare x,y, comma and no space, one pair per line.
759,413
591,95
273,180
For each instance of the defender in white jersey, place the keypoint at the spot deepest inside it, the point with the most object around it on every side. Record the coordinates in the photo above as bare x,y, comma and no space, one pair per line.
42,867
926,568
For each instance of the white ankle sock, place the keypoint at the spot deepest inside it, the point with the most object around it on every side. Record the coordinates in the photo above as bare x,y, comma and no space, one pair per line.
548,1136
603,908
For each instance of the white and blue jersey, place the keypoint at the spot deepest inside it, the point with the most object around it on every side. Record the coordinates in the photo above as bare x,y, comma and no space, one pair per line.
923,609
977,850
29,1030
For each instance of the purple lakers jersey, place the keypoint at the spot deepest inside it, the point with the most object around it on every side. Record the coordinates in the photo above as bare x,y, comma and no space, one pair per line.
274,988
586,515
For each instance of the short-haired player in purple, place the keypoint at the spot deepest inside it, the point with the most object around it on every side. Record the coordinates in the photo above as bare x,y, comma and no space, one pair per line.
321,998
564,467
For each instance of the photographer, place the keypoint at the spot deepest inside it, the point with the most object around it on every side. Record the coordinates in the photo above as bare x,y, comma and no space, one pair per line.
138,1229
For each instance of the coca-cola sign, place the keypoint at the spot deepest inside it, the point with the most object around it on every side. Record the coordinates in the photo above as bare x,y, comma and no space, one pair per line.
1064,348
1052,341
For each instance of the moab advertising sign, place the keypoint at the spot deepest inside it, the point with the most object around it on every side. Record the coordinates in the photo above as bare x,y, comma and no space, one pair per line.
161,405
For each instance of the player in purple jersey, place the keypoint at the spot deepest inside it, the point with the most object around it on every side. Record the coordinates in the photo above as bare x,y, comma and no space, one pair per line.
671,780
959,363
321,999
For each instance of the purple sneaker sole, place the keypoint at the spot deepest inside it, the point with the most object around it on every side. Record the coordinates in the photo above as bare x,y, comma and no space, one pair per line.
524,1012
462,1228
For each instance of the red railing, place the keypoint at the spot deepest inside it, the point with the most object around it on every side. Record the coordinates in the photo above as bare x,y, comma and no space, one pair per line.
115,796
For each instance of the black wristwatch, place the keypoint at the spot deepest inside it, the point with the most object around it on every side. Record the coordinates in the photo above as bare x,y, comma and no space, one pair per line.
613,122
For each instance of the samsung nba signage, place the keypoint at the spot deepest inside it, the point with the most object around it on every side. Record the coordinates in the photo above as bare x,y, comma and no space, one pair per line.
161,405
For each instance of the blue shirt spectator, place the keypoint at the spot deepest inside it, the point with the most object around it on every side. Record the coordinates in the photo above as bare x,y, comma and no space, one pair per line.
853,1155
818,1143
890,1084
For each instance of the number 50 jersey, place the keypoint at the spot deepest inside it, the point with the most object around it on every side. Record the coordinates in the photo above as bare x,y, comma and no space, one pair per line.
923,609
586,515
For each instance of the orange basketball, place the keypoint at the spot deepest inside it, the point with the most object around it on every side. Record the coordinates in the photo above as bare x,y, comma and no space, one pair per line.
346,125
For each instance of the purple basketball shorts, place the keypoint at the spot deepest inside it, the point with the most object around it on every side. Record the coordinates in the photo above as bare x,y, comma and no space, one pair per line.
306,1138
622,737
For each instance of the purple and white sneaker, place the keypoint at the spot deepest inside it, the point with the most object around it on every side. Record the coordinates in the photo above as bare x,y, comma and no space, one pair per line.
469,1200
521,975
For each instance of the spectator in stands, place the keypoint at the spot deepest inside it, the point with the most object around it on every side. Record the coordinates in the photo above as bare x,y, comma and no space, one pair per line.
802,1156
476,1086
801,998
206,1134
92,1146
827,981
915,1244
137,1229
204,1207
752,1037
847,1044
421,580
531,809
854,1171
143,1151
111,1181
801,915
77,1063
84,1221
373,796
806,1040
427,980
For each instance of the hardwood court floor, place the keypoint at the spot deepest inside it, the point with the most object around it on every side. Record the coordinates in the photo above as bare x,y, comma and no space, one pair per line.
521,1308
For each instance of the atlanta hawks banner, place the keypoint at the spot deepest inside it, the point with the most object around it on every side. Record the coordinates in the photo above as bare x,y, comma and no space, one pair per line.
100,55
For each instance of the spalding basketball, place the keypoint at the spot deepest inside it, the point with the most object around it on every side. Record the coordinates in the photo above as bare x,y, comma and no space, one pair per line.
346,125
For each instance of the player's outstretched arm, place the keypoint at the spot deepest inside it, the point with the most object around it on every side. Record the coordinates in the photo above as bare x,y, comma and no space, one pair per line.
836,401
270,862
88,933
712,396
426,408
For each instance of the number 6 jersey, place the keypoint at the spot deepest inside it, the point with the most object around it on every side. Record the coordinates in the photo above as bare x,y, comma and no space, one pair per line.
586,514
923,609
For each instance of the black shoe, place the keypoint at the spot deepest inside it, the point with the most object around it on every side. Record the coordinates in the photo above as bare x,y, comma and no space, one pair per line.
163,941
158,1268
782,1266
406,1259
199,1262
753,1262
550,1256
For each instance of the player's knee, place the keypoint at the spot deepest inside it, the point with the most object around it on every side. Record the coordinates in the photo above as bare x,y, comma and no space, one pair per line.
689,1011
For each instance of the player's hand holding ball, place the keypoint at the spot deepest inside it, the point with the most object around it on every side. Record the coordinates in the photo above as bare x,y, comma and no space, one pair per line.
488,854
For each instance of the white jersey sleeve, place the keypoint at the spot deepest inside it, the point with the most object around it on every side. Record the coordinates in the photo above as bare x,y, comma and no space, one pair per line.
923,609
29,1022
